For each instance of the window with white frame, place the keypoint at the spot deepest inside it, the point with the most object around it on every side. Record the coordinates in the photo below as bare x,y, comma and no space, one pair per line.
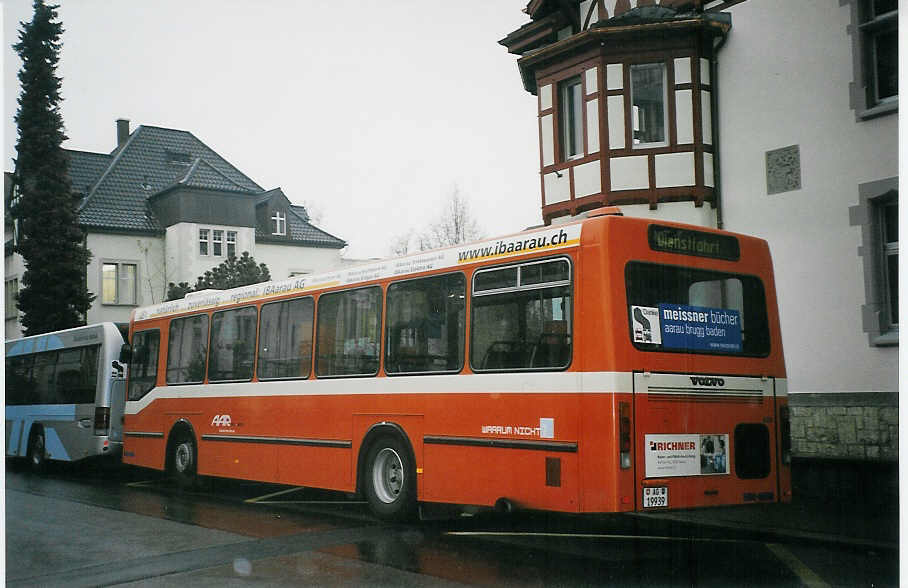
12,295
887,213
648,103
118,283
877,215
231,243
278,223
217,244
204,241
879,36
570,118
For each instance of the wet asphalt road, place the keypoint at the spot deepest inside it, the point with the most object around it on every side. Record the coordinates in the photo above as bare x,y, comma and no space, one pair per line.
93,526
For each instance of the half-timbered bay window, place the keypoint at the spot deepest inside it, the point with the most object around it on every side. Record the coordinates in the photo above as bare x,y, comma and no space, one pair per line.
570,118
625,108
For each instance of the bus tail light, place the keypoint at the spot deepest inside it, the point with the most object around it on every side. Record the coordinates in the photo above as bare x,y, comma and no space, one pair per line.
102,420
785,433
624,434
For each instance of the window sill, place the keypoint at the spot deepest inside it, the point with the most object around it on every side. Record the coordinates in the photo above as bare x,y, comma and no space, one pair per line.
890,339
879,110
118,304
656,145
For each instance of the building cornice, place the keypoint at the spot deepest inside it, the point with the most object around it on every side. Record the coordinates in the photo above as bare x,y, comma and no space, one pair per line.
609,36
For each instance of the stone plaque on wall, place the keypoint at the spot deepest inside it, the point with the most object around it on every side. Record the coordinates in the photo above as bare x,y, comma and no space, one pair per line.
783,170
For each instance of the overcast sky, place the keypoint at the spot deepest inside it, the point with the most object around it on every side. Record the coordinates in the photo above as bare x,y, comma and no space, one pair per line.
370,110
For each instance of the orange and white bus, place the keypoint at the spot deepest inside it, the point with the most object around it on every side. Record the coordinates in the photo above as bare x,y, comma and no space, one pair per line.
602,365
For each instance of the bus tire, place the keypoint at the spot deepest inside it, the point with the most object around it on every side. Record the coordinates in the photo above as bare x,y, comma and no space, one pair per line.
182,461
37,450
389,479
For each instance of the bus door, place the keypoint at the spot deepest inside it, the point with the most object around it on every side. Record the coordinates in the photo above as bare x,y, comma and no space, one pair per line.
117,406
703,440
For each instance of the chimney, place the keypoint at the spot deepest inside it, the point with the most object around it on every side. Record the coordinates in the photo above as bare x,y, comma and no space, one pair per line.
122,131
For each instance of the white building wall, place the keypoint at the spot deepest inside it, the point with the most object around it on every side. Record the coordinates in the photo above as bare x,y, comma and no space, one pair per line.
185,263
284,261
174,258
785,81
148,255
13,268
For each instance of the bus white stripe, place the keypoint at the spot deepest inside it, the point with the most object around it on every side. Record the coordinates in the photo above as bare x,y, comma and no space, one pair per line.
516,383
512,383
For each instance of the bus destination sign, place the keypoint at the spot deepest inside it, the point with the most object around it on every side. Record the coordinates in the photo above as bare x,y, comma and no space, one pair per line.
687,242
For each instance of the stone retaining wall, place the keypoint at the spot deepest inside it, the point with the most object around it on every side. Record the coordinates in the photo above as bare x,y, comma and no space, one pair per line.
859,426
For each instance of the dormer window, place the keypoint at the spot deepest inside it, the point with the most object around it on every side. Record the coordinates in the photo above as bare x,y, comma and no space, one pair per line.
278,223
178,158
649,104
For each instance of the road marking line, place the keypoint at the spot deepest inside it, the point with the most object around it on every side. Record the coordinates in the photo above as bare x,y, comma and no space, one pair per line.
592,536
806,575
142,484
273,494
306,501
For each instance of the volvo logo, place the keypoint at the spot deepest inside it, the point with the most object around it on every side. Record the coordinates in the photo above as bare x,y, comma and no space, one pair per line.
703,381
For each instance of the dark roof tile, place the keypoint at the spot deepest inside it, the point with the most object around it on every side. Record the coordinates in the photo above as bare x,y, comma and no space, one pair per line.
153,159
85,168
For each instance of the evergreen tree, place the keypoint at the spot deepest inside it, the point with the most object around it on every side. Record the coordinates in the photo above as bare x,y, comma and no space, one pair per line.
232,273
53,293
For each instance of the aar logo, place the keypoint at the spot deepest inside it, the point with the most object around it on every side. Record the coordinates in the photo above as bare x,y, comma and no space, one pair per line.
221,420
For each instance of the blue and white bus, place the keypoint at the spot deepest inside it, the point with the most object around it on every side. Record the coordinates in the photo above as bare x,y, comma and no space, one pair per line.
65,393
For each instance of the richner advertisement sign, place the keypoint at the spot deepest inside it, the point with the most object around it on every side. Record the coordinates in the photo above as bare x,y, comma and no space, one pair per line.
677,326
686,455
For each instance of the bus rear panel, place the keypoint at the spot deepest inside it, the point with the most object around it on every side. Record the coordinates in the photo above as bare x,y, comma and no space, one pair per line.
692,317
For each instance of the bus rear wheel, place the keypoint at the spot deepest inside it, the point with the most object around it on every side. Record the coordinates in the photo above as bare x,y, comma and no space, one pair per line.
37,451
182,461
389,480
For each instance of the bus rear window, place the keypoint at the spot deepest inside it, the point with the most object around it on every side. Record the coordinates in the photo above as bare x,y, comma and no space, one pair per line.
680,309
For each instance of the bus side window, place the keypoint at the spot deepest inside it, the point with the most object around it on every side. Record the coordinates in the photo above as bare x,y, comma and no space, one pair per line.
19,383
143,365
44,381
187,350
232,345
348,335
425,325
285,339
522,317
77,374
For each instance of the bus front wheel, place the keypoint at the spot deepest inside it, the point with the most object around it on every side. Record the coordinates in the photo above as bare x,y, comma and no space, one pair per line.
183,461
389,480
37,451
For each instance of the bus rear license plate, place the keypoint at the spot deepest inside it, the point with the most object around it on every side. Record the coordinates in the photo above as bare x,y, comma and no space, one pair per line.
655,497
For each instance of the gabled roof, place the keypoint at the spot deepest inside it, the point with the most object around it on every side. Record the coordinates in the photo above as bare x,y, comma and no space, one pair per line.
299,230
119,187
151,160
204,175
302,231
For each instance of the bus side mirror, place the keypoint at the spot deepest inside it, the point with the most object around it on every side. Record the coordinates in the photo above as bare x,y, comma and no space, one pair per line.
126,353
